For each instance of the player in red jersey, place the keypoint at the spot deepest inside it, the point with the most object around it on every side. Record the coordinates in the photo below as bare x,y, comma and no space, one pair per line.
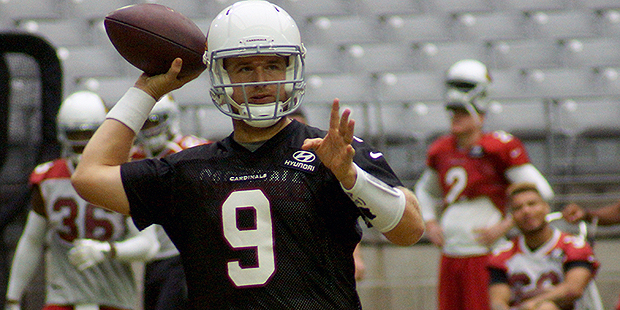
543,268
88,249
462,190
266,218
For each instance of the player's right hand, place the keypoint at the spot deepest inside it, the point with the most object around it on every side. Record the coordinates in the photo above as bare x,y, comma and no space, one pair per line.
434,233
573,213
159,85
87,253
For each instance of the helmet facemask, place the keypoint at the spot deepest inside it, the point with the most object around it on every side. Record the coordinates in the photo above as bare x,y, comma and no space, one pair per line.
259,115
255,28
78,118
466,87
160,126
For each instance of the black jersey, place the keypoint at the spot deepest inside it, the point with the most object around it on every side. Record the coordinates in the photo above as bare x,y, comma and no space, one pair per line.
269,229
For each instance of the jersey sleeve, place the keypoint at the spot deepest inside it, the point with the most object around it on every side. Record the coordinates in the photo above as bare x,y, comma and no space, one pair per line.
39,173
510,149
373,162
146,183
576,249
501,254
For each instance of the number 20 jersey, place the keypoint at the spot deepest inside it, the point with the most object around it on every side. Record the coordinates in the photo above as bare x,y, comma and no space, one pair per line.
70,217
530,272
269,229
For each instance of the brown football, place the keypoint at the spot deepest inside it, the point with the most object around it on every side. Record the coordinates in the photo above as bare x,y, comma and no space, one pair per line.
150,36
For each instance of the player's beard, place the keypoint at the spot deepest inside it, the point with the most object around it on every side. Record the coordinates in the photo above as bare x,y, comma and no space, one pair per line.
536,230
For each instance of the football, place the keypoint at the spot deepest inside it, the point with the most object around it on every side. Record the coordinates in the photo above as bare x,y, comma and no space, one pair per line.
150,36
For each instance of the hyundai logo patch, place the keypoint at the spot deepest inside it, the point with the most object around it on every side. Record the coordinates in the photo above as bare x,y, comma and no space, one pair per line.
304,156
302,160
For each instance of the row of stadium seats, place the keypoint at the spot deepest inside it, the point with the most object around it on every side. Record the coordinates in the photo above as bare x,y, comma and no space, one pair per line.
352,29
197,8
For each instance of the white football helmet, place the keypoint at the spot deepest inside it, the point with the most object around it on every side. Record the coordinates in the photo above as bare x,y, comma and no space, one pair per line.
78,118
161,125
467,81
250,28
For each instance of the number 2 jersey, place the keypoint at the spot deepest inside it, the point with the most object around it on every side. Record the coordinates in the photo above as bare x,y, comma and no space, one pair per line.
474,184
70,217
269,229
529,272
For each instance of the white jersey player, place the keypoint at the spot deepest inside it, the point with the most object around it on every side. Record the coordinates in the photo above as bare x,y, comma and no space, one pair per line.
542,268
87,249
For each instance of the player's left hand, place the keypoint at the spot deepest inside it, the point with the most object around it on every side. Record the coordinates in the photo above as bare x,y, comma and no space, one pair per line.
335,150
488,235
87,253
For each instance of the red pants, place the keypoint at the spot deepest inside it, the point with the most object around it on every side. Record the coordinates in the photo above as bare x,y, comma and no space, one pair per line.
57,307
464,283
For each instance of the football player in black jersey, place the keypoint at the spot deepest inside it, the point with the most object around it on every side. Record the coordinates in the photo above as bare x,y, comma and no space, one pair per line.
267,217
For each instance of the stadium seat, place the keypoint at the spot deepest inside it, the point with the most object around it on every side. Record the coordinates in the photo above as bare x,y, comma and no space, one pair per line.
561,82
529,117
93,9
59,32
525,53
457,6
341,29
561,24
599,4
484,26
189,8
596,151
301,10
411,86
440,55
591,52
387,7
17,10
90,61
532,5
349,88
508,84
417,120
323,58
415,28
378,57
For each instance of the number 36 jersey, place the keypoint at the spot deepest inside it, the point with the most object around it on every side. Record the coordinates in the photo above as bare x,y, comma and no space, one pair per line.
269,229
70,217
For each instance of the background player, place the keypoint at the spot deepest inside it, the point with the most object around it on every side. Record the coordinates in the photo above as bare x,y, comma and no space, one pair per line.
80,273
164,278
267,217
462,189
542,268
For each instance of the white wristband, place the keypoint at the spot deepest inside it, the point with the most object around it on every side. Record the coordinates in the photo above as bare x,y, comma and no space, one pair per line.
382,205
133,109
